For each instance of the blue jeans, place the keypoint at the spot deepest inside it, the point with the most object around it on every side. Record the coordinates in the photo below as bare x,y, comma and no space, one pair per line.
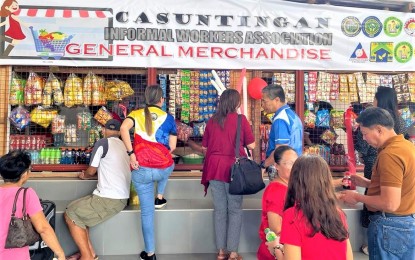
143,180
391,237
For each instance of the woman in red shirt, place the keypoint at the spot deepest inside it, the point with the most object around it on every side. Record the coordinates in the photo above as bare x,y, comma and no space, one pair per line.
219,145
273,199
313,225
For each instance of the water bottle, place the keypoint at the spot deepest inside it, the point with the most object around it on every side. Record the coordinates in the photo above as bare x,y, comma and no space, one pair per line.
87,157
83,157
77,156
63,157
69,156
270,235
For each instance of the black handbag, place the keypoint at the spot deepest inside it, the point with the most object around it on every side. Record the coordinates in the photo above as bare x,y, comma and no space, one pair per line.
246,174
21,231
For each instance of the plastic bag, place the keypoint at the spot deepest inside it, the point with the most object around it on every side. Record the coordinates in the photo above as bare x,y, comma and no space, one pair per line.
19,117
42,117
183,131
16,90
33,90
103,115
58,124
73,91
117,90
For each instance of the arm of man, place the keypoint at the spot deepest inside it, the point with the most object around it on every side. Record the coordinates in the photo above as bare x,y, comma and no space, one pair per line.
389,199
89,173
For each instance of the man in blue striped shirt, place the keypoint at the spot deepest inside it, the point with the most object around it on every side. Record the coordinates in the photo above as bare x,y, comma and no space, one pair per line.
286,128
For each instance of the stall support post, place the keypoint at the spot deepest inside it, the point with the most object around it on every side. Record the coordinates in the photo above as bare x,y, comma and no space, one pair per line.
151,76
5,72
299,94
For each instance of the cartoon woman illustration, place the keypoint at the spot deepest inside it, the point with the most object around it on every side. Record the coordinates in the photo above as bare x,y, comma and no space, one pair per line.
14,33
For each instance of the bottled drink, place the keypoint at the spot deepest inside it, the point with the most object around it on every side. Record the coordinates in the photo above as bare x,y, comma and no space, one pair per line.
270,235
63,156
69,156
83,157
346,181
77,156
43,156
87,157
57,156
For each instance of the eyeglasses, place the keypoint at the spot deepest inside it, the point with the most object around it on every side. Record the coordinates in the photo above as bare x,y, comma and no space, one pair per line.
287,163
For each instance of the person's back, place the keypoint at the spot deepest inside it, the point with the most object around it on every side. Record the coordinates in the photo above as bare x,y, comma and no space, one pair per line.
316,247
111,185
295,128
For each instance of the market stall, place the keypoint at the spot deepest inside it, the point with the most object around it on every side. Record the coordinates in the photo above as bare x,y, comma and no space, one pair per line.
79,66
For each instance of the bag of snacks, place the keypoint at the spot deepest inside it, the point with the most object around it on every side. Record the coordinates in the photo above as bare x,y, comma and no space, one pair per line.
337,119
93,90
42,116
329,136
16,90
309,119
33,90
54,86
19,117
183,131
117,90
84,120
58,124
103,115
73,91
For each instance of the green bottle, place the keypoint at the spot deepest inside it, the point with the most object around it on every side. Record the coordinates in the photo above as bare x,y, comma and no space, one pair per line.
270,235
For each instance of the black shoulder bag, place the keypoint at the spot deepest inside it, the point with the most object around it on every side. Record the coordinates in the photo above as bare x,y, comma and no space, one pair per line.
246,174
21,231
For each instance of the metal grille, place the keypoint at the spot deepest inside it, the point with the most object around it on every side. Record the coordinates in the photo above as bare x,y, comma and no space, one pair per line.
68,116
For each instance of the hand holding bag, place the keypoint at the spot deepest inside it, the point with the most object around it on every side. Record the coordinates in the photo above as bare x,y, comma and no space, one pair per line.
246,175
21,231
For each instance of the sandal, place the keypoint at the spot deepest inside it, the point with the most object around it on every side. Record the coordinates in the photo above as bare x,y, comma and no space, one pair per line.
237,257
222,256
75,256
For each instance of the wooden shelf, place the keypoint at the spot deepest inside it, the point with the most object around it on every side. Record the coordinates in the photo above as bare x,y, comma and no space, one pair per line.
58,167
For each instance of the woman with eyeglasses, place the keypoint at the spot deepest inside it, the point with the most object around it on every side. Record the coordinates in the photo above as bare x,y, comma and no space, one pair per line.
273,198
14,169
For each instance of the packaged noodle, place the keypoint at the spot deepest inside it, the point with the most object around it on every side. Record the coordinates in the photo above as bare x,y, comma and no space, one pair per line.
42,116
16,90
117,90
33,89
73,91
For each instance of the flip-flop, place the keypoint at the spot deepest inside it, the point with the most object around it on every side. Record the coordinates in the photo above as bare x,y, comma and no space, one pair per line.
75,256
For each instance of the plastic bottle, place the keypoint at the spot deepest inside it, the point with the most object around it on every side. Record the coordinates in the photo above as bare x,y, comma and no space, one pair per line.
83,156
87,157
270,235
77,156
63,156
346,181
69,156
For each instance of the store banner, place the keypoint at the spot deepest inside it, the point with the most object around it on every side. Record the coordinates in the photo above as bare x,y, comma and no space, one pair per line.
231,34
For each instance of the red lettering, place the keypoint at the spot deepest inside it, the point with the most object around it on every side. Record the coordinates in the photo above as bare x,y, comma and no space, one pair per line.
312,54
122,50
89,49
152,50
325,54
185,52
163,52
201,52
216,50
228,53
73,48
138,49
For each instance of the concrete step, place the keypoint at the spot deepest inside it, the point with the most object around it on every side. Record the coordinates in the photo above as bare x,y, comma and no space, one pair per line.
183,226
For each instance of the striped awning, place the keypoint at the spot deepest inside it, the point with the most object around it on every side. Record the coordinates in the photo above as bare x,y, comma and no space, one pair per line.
63,13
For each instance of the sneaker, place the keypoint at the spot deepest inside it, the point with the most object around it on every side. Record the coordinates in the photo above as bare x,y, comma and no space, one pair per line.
144,256
159,203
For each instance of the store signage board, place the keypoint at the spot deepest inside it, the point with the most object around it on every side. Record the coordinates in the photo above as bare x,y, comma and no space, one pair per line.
231,34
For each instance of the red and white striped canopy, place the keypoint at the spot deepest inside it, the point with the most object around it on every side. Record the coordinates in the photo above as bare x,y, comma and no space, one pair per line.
62,13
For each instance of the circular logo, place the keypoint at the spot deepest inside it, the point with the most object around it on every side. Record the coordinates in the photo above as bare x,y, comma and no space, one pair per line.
392,26
371,26
403,52
351,26
410,26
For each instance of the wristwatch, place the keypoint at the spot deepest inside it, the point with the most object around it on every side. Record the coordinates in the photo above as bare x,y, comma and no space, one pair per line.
130,152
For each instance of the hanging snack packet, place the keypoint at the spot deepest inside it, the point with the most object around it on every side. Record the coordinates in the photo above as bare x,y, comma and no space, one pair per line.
16,90
58,124
323,118
103,115
337,119
19,117
42,117
33,90
98,91
328,136
309,119
73,91
54,85
84,120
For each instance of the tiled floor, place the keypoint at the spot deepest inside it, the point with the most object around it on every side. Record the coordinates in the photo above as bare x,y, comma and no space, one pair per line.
246,256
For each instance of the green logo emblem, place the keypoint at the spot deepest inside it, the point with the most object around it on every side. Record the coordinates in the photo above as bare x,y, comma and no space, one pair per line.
403,52
392,26
371,26
351,26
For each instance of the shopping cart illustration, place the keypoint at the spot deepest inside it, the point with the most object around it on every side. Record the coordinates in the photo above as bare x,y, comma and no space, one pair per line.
46,48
